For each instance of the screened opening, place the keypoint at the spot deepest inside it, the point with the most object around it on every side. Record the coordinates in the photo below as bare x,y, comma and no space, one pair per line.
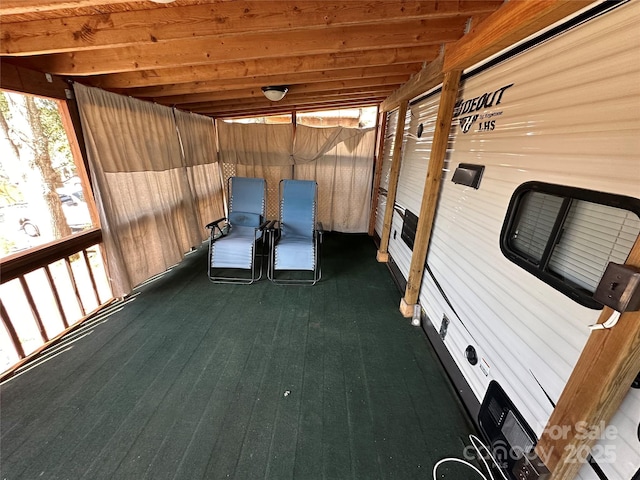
365,117
567,236
43,192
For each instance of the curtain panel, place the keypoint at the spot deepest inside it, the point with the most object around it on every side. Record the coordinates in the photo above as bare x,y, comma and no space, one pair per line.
339,159
197,138
152,184
255,144
344,175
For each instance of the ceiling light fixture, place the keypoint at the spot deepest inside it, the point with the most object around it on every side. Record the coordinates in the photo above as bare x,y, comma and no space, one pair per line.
163,1
275,93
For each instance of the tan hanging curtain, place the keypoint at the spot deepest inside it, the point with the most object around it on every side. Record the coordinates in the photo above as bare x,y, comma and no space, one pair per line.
312,143
257,150
255,144
148,215
197,136
340,159
343,173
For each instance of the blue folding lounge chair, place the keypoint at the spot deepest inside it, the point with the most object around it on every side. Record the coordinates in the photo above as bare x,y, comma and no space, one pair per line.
295,239
233,240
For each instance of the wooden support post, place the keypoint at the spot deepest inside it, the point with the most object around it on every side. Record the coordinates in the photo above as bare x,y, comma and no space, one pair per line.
70,117
383,251
431,190
597,386
378,159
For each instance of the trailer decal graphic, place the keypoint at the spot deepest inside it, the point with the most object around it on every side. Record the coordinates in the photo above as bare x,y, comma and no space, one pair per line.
484,101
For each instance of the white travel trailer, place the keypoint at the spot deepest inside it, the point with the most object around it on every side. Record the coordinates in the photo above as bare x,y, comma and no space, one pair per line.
539,193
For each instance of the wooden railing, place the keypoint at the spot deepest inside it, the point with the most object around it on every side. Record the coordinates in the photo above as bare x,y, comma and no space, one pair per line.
41,291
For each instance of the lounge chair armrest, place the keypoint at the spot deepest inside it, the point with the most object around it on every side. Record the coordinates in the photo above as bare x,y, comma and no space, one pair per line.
215,223
216,230
273,231
273,225
264,225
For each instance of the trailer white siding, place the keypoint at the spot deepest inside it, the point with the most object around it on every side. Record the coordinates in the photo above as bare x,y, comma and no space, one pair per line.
415,153
382,204
389,142
413,172
568,114
399,250
387,157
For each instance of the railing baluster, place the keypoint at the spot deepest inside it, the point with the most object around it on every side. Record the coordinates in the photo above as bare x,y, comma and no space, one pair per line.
75,285
6,321
16,266
34,309
56,296
93,280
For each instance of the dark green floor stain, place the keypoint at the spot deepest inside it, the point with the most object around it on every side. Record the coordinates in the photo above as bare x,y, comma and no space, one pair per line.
191,380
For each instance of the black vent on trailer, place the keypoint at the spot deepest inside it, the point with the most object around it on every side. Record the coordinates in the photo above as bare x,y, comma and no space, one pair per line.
409,227
468,174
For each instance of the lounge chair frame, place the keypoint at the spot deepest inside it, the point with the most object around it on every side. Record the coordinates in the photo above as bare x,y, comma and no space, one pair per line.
274,235
224,228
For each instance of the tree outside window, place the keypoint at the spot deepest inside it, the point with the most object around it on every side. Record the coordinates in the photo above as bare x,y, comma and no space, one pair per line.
41,195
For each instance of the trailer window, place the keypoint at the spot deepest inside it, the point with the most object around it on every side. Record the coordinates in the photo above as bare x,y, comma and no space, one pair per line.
567,236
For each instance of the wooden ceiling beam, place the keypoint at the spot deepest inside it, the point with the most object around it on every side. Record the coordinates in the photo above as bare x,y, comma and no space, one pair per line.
22,80
278,110
342,96
286,79
299,89
251,46
261,67
160,25
303,109
19,7
297,103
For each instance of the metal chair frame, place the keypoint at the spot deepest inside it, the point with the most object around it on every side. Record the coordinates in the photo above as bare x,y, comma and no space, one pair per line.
274,233
223,227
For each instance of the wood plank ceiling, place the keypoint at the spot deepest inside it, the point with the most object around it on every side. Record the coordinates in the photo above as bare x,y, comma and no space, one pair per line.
213,57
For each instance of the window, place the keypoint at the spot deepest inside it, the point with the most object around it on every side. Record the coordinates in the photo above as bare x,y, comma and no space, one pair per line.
271,119
567,236
365,117
42,181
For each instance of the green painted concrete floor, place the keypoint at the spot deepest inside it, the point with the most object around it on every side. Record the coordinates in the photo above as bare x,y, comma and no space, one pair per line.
188,380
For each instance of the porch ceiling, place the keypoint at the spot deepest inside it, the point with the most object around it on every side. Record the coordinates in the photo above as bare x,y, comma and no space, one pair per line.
213,57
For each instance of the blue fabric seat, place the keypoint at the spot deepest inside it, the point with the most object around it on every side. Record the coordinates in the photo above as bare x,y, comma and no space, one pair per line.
234,239
295,240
